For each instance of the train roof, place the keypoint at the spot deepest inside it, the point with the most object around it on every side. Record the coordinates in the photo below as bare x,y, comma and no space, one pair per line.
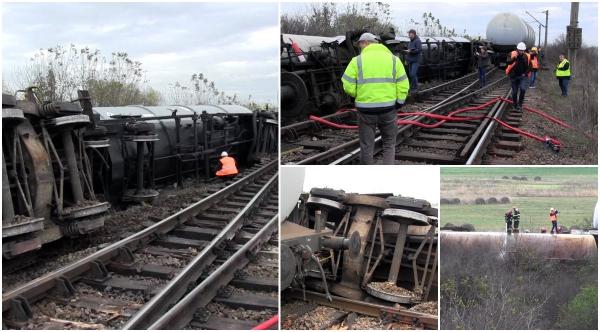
151,111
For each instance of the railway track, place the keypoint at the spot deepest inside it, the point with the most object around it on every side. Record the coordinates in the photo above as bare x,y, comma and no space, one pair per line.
153,276
409,317
309,142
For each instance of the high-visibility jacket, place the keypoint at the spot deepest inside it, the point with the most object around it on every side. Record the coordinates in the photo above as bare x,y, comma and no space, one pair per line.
561,71
227,167
534,61
553,216
376,78
514,55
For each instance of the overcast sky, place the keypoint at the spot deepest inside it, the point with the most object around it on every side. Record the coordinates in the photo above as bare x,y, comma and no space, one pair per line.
474,16
236,46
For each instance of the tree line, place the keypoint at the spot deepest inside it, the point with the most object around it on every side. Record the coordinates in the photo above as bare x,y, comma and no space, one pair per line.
114,80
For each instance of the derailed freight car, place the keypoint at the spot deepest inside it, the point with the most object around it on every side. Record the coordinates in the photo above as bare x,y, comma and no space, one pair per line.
311,68
63,162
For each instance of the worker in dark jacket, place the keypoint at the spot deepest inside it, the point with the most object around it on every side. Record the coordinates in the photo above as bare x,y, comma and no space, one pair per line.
508,219
516,219
483,62
413,58
518,69
563,74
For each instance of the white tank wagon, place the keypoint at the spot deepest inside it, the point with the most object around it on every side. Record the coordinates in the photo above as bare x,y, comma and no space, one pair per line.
506,30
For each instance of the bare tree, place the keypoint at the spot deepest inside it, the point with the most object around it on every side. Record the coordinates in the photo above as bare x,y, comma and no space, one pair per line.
58,72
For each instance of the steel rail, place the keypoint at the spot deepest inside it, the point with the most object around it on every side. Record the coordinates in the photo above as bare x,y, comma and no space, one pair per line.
475,156
180,315
293,129
351,155
366,308
454,100
35,289
177,287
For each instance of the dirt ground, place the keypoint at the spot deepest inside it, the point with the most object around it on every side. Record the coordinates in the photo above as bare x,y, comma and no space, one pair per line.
578,149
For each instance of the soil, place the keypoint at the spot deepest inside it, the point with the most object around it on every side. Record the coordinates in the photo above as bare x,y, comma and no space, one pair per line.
577,149
390,288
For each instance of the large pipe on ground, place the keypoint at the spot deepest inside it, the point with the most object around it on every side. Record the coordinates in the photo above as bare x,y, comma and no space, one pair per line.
561,246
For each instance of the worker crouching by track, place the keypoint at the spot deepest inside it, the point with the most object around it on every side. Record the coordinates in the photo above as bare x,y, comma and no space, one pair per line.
376,79
228,168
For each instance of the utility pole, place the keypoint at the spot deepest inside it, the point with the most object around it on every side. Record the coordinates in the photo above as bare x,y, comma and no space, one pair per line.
540,25
573,36
546,30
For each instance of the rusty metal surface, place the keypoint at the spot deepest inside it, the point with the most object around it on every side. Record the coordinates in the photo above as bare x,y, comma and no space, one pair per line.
371,309
405,217
561,246
366,200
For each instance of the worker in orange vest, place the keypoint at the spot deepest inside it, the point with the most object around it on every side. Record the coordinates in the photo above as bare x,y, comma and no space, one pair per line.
535,65
228,169
518,69
554,220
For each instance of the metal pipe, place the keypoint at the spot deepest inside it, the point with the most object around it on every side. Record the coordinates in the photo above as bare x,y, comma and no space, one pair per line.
140,167
74,178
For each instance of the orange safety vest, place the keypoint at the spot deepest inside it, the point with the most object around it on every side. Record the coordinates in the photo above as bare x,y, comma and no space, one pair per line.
534,62
552,216
227,167
513,55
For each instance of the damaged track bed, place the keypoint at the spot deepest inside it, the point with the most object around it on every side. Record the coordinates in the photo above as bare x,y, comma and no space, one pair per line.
138,282
375,315
309,142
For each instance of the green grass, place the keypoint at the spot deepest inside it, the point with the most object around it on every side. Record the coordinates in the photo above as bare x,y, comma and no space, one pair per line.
547,173
534,213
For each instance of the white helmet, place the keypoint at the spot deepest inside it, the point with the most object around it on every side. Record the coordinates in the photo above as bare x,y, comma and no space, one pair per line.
224,154
521,46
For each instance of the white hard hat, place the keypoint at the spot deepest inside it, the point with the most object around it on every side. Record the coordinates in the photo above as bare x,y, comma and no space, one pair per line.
521,46
551,209
367,36
224,154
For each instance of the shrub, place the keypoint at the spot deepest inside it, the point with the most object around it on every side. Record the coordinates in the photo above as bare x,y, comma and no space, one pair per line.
492,200
581,313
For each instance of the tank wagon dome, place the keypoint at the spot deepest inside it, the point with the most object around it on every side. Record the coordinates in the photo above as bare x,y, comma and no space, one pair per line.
107,113
507,29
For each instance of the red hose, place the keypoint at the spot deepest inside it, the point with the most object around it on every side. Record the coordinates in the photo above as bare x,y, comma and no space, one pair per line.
451,117
267,324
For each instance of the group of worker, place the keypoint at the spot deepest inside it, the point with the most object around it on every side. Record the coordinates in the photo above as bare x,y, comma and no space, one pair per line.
379,84
512,218
523,67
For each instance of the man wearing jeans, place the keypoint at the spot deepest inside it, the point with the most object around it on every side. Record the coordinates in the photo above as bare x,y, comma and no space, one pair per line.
377,81
413,58
518,69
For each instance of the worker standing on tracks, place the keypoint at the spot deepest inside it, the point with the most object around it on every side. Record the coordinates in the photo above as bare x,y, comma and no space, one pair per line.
413,58
535,65
516,219
554,220
563,74
228,168
518,70
483,62
508,219
377,81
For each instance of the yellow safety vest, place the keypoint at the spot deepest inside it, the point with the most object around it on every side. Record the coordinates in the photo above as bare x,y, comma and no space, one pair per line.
376,78
563,73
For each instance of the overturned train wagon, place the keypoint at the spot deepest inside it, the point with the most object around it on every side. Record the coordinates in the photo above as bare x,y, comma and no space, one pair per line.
64,163
312,66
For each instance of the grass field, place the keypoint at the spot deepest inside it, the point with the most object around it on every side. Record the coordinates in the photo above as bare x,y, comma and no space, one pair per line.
573,191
